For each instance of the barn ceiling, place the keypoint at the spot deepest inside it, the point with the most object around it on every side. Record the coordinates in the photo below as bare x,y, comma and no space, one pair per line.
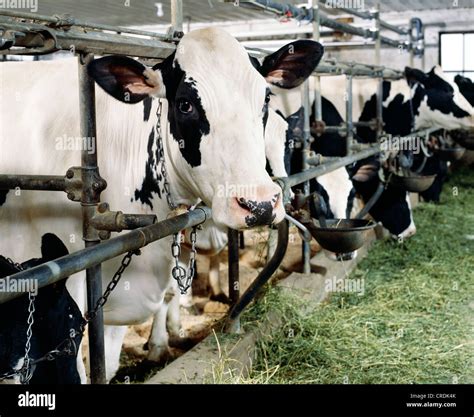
144,12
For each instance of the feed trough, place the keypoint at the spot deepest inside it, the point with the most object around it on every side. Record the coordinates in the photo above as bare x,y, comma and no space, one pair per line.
342,235
465,139
412,182
451,154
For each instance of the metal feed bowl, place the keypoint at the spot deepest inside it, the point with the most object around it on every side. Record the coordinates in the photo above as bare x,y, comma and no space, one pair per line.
342,235
464,138
451,154
412,183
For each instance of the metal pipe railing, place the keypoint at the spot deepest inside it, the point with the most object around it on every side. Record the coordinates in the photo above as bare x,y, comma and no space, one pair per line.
92,186
33,182
61,268
43,39
69,21
301,13
368,16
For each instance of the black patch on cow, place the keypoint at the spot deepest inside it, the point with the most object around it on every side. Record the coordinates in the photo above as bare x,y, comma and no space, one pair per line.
466,87
329,144
315,186
147,108
262,213
3,196
189,129
391,209
55,315
151,181
444,103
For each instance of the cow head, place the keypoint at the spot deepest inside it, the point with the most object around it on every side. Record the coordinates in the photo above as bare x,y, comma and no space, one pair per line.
442,105
217,112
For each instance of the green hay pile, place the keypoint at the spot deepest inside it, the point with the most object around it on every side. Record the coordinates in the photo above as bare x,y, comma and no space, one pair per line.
414,324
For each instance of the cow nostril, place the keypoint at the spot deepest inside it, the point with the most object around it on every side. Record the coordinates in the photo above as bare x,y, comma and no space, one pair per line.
275,200
242,202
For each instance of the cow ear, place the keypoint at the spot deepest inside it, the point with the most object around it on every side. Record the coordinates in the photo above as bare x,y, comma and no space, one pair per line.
291,65
415,75
126,79
52,247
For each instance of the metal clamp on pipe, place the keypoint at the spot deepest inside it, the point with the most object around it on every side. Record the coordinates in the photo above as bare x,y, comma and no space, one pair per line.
116,221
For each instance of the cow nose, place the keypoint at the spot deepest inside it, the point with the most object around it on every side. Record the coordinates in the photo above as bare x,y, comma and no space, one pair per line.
260,213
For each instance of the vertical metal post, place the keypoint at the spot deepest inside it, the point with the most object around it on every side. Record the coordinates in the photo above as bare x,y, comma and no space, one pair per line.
349,121
378,60
177,15
412,45
305,155
234,284
318,111
423,45
92,186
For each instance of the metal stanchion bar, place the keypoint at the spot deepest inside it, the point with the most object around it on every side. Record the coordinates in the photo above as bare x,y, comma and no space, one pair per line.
233,258
33,182
69,21
54,271
368,16
349,116
42,39
92,185
306,251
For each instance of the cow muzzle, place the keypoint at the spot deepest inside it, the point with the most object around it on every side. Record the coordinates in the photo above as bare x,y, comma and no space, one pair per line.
265,207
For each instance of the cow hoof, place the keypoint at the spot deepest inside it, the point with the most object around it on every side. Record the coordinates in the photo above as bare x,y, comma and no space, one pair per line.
221,298
159,354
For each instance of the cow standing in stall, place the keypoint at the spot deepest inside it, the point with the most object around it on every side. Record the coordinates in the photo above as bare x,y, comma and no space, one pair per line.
210,145
406,107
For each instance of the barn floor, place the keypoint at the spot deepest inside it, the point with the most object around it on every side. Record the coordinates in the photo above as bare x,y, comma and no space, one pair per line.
412,324
198,321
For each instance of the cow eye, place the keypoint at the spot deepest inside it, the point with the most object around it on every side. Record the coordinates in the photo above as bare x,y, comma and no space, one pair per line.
185,107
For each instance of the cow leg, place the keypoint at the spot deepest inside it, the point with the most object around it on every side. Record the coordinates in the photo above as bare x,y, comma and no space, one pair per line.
173,320
113,338
217,294
158,350
81,368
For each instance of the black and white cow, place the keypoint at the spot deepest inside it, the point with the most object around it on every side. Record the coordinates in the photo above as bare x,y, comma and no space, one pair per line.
408,106
213,118
56,318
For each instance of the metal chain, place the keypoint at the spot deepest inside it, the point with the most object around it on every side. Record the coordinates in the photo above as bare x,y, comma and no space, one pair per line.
161,156
183,278
91,315
25,371
67,347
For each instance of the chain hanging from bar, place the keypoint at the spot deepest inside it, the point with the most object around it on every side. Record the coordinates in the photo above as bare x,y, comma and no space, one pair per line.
68,347
25,372
182,276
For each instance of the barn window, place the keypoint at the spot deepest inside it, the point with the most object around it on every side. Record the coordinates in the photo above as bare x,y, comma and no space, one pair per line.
456,54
